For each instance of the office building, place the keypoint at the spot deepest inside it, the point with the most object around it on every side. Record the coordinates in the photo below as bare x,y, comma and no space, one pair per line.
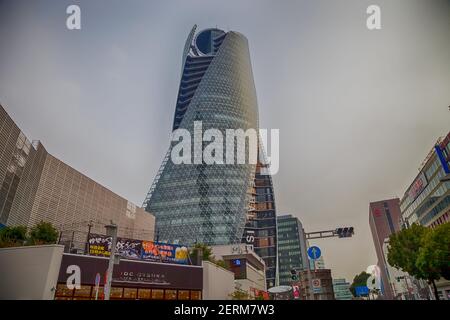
341,289
247,266
384,220
36,186
291,248
216,204
321,283
261,227
427,200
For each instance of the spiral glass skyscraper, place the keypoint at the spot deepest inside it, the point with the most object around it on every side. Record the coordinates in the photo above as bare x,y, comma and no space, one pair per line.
219,203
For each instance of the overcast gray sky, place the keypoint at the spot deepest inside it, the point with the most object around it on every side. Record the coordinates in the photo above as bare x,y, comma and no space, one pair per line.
357,110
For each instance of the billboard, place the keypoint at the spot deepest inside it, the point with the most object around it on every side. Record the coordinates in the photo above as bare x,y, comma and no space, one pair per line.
129,248
100,245
164,252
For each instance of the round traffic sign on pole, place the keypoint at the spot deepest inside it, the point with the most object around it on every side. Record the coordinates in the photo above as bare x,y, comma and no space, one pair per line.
314,253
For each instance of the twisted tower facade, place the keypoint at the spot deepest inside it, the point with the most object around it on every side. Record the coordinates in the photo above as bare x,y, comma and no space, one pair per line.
204,203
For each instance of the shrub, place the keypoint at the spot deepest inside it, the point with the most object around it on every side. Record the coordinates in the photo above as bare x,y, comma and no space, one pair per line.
43,233
13,236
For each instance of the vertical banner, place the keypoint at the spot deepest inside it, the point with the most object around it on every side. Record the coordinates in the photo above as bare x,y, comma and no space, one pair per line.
441,157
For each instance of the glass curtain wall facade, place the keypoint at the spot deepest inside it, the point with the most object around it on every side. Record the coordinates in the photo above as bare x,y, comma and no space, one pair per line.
214,203
291,247
427,200
261,227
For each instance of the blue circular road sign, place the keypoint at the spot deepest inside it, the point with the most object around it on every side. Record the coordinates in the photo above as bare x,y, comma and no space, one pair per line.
314,252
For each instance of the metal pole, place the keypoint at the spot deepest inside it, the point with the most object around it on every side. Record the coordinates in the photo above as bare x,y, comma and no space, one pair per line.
71,241
311,290
111,231
86,247
306,260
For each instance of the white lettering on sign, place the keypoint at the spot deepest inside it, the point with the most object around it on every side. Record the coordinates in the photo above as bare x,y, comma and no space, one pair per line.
74,280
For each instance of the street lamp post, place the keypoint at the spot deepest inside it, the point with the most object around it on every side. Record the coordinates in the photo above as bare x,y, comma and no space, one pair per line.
111,231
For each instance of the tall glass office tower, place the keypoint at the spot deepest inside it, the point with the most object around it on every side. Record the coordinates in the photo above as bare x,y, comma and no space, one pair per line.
215,204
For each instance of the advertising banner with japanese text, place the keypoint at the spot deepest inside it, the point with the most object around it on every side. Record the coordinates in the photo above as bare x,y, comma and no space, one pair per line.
100,245
164,252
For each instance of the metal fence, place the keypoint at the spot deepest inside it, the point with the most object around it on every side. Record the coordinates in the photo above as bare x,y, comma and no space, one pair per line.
75,236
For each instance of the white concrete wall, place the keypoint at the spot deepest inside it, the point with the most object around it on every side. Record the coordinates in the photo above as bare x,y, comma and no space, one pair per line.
256,277
29,272
218,283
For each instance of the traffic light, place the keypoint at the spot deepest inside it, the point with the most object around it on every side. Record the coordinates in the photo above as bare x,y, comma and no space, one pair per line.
345,232
294,275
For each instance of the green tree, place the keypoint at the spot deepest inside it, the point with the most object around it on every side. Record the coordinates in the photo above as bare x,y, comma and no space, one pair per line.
13,236
43,233
359,281
404,248
433,260
422,252
205,250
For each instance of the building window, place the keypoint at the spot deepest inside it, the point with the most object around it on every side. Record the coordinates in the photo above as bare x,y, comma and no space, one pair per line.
196,295
84,291
389,219
170,295
144,294
130,293
63,291
158,294
88,292
116,293
183,294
